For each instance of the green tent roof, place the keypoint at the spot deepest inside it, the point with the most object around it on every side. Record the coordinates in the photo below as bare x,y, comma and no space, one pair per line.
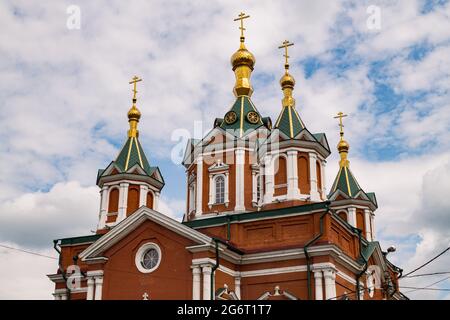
289,122
346,182
242,107
132,154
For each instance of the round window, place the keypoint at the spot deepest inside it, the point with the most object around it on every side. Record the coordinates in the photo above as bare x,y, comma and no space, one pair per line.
148,258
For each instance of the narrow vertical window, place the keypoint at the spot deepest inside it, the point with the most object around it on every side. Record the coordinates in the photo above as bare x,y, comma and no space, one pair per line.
258,188
220,189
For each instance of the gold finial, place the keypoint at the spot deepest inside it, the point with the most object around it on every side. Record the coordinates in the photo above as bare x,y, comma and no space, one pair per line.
343,145
134,114
243,62
241,18
285,45
287,81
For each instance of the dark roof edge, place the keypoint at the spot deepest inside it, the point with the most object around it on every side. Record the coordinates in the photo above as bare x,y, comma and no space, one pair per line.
79,240
254,215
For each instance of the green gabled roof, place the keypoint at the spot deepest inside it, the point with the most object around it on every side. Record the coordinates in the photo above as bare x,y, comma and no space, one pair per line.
132,154
242,106
345,182
289,122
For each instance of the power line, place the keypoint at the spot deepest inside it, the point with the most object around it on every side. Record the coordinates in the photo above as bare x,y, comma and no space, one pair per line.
431,289
428,274
428,286
26,251
427,263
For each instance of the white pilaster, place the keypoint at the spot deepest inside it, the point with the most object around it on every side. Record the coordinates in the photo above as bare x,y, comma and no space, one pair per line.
98,287
211,191
90,288
292,176
156,200
103,207
323,165
367,219
196,275
318,284
268,178
330,283
206,270
199,184
313,177
237,287
352,216
123,198
227,192
64,296
240,161
254,187
143,190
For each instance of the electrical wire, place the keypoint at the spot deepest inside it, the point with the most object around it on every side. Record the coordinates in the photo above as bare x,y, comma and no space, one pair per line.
29,252
426,263
428,274
428,286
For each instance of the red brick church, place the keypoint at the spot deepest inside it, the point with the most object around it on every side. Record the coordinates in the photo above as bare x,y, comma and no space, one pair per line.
259,221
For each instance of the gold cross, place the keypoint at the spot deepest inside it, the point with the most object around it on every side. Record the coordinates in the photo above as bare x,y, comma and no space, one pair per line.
341,115
134,81
241,17
285,45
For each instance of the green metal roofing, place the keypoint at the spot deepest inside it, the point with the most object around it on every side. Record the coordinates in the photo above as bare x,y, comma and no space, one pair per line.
367,251
346,182
254,215
242,106
78,240
132,154
289,122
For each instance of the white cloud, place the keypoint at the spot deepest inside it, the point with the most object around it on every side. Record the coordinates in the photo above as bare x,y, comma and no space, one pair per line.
64,96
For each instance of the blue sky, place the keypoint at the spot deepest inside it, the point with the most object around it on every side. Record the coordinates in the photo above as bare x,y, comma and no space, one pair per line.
64,97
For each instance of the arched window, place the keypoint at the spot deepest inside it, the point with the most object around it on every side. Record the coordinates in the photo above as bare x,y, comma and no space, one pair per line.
133,199
113,201
343,215
220,189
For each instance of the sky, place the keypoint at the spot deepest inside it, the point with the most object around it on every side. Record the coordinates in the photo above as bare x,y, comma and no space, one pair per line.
64,95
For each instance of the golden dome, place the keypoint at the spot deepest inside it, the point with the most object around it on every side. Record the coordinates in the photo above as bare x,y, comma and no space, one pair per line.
243,57
343,146
134,113
287,81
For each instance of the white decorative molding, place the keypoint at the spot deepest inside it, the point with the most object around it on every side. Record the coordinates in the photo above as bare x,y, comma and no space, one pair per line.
318,284
240,191
313,177
351,216
207,270
293,191
199,184
123,198
196,282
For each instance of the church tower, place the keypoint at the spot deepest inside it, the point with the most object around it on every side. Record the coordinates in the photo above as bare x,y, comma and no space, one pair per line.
351,203
293,158
128,182
222,169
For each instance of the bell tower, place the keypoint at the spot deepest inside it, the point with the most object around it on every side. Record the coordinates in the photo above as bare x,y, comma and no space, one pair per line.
129,181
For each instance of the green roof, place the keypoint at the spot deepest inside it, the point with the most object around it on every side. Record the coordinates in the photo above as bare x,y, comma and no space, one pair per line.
346,182
132,154
367,251
289,122
219,220
78,240
241,107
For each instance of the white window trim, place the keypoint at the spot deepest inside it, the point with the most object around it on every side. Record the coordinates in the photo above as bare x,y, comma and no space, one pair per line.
140,254
212,189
